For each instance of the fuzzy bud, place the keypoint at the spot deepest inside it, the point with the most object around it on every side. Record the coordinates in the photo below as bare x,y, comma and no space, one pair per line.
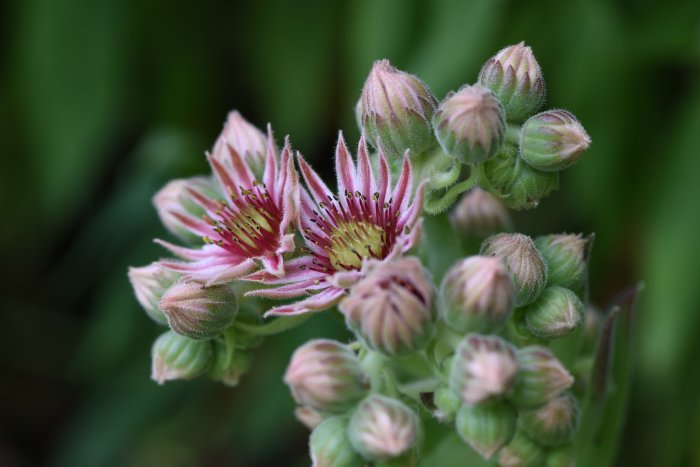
383,428
244,138
483,368
391,308
199,312
525,263
515,78
229,364
175,204
561,456
541,377
486,427
521,452
330,446
477,294
553,140
447,404
565,255
178,357
555,313
326,375
470,124
396,111
554,423
515,183
480,214
149,284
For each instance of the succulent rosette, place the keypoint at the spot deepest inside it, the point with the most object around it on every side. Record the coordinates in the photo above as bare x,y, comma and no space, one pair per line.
251,225
367,219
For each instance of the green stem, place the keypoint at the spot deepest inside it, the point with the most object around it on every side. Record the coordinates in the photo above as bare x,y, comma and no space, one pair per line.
435,205
513,134
445,178
280,324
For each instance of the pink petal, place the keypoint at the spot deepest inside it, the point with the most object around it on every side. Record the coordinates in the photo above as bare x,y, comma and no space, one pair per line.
318,189
366,177
315,303
211,271
344,167
241,171
290,195
297,269
271,169
399,197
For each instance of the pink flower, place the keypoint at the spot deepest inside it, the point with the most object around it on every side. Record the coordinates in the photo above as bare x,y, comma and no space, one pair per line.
253,223
366,220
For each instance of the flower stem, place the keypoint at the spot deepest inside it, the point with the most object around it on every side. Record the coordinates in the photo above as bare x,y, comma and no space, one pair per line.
436,205
280,324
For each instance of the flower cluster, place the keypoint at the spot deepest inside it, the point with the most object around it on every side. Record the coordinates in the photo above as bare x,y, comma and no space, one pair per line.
470,348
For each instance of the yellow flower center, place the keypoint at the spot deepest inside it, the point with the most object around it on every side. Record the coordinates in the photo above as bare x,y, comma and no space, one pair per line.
351,242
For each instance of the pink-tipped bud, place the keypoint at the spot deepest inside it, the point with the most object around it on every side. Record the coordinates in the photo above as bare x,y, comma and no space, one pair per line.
178,357
199,312
477,294
230,363
246,139
329,445
554,423
175,201
480,214
149,284
470,124
553,140
521,452
396,111
486,427
525,263
555,314
309,417
541,377
391,308
515,78
383,428
484,368
565,255
326,376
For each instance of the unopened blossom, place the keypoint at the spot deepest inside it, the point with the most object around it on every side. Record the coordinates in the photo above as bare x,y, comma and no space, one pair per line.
253,223
365,220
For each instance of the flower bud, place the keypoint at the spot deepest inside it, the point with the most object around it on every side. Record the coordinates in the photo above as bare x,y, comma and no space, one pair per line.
149,284
517,184
561,456
382,428
555,313
541,377
247,140
553,140
477,294
396,111
229,364
480,214
178,357
486,427
391,308
175,201
330,446
525,263
521,452
447,404
554,423
199,312
325,375
515,78
565,255
470,124
309,417
483,368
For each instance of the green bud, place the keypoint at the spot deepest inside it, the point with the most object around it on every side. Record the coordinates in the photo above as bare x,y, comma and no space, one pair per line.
565,255
199,312
447,404
477,294
514,76
562,456
330,446
521,452
391,308
517,184
175,201
470,124
486,427
229,364
178,357
554,423
541,378
396,111
484,368
149,284
553,140
555,313
525,263
480,214
326,375
383,428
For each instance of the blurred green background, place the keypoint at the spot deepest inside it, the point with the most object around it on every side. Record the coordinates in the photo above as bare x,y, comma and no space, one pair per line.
103,101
